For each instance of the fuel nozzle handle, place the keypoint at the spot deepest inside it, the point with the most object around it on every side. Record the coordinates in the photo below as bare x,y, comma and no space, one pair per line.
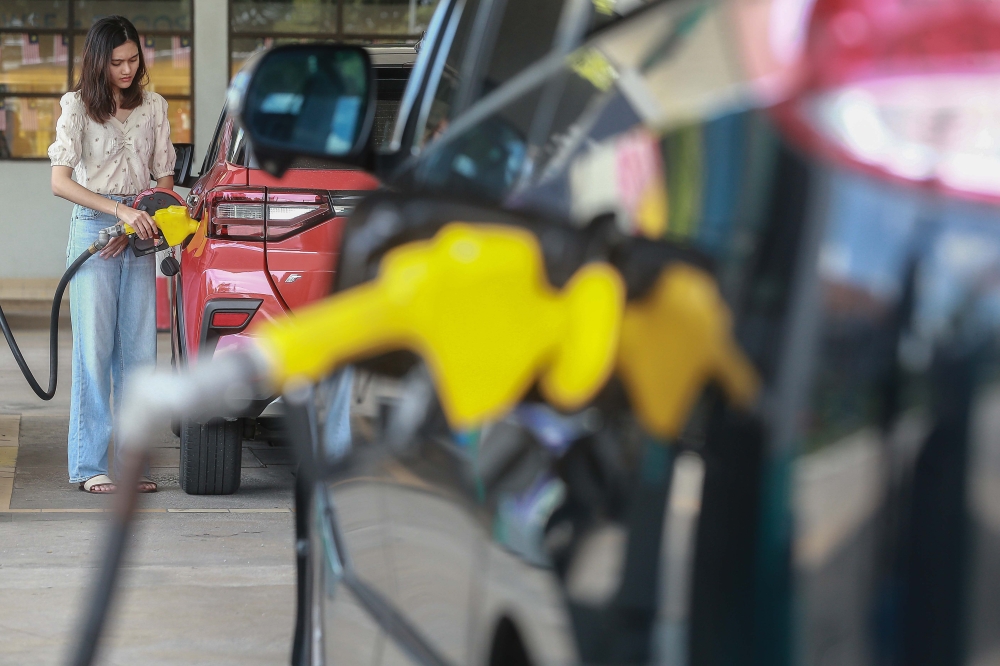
105,235
173,222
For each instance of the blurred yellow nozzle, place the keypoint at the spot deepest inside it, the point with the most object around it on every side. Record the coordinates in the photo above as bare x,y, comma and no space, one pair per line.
676,341
174,222
475,303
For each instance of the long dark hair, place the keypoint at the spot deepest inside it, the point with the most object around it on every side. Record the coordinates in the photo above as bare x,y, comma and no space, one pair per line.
95,88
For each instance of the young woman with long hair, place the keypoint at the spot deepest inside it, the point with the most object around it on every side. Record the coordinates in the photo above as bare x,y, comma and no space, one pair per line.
112,139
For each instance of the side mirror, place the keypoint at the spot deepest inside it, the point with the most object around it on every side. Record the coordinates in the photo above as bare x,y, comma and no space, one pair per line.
182,167
307,100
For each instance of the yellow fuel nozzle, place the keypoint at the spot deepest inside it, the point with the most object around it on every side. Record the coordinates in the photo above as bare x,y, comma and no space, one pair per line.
174,222
675,341
476,304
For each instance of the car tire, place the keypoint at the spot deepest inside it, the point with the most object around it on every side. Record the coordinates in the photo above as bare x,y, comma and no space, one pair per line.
211,456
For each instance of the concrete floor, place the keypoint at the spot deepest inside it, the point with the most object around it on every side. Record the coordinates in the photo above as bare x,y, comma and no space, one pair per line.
209,580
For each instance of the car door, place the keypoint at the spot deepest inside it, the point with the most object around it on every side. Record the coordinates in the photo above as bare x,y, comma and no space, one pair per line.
397,548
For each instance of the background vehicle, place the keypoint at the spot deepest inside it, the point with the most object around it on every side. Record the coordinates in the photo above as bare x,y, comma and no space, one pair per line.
269,246
851,519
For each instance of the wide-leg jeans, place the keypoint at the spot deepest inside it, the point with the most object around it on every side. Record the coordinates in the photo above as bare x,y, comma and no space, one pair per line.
113,310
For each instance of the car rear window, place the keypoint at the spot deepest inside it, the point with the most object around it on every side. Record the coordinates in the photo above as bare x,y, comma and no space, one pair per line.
391,84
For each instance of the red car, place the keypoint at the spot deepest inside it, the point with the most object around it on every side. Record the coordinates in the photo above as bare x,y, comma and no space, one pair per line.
266,246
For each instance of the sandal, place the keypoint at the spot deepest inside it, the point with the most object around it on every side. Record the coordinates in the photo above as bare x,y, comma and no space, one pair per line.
99,485
147,485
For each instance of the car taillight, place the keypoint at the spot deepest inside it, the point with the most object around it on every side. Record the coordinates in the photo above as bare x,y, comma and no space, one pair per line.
236,213
289,211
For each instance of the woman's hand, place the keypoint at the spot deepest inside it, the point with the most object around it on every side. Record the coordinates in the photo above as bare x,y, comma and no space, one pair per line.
115,247
138,220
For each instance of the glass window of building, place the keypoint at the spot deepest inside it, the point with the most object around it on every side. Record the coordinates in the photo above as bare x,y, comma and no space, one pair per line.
37,38
260,24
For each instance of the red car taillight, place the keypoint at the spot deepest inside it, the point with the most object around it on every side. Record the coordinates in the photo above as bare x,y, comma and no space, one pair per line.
242,214
236,213
289,211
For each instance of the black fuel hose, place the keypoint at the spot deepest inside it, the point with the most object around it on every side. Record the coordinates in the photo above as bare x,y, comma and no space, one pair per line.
53,329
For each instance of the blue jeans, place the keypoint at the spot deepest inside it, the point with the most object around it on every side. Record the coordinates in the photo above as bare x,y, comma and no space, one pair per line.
113,309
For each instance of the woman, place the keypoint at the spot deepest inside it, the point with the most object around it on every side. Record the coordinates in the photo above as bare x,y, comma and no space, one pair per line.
111,138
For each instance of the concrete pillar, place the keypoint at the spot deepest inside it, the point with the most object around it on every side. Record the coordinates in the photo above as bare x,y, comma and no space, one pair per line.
210,60
35,230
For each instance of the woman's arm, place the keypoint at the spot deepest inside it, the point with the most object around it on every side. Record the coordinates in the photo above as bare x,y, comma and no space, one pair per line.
64,186
167,182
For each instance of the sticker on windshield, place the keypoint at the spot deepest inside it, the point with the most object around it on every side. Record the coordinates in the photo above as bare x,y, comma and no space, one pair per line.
624,176
591,65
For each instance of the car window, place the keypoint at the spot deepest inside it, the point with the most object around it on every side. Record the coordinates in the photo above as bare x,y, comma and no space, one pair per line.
637,73
446,71
633,75
212,154
485,161
237,151
492,43
391,85
524,35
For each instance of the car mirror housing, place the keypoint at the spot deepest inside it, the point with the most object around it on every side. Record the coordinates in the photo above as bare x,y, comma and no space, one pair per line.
182,166
307,100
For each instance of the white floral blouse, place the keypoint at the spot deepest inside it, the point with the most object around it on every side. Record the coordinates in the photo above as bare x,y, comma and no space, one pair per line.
114,157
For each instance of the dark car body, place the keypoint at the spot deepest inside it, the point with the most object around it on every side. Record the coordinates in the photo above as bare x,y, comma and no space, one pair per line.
851,518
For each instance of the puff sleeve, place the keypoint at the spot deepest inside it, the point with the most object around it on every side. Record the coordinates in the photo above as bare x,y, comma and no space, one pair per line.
66,149
161,160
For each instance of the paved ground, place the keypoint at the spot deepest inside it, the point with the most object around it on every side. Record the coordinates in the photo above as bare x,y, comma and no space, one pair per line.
210,580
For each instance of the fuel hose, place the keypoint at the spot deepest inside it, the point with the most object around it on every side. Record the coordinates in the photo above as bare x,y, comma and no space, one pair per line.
94,248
